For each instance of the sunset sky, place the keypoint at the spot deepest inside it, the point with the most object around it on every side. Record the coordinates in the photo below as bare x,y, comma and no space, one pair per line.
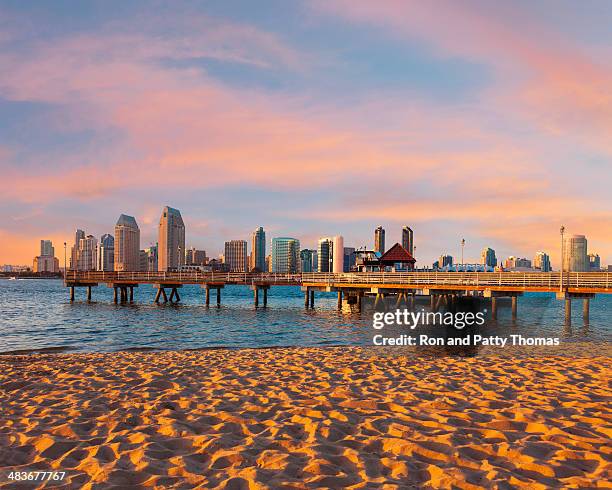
489,121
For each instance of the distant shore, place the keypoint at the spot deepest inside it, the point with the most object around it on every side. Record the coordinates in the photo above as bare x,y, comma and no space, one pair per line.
305,417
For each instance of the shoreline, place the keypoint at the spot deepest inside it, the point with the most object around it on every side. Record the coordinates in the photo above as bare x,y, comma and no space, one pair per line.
306,417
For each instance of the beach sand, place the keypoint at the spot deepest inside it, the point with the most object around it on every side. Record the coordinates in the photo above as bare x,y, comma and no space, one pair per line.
306,418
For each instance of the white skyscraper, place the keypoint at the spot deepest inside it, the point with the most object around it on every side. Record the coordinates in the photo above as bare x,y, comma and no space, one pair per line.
171,242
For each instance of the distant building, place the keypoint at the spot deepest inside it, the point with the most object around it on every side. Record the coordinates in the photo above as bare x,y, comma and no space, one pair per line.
541,261
325,255
195,257
46,248
315,261
106,253
269,263
594,262
87,254
258,250
127,244
236,255
488,258
306,259
74,251
408,239
517,263
171,241
575,257
349,259
338,254
445,261
46,264
46,261
379,240
286,255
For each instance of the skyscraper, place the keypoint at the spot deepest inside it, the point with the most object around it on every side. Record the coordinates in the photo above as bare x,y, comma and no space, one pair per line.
46,248
236,255
325,255
171,242
379,240
445,261
127,244
285,255
258,250
408,239
306,258
488,258
594,263
106,253
74,252
575,257
542,261
349,259
195,256
87,254
337,254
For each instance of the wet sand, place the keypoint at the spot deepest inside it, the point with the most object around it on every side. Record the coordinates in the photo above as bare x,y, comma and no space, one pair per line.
306,418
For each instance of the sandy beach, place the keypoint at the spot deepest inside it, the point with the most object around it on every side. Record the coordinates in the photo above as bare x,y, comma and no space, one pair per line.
306,418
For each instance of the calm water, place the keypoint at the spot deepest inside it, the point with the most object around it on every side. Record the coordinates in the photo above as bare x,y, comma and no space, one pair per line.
37,314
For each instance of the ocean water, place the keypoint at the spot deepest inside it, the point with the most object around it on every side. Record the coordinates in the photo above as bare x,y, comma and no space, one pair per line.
37,315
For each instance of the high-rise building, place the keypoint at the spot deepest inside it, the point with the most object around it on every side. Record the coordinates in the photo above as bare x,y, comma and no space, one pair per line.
594,263
74,251
517,263
575,257
148,262
285,255
258,250
315,261
445,261
46,248
171,242
338,254
488,258
379,240
307,261
87,254
349,258
408,239
127,244
106,253
325,255
541,261
195,257
236,255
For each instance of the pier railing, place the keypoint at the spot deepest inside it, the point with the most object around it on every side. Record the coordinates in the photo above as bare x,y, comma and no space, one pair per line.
587,281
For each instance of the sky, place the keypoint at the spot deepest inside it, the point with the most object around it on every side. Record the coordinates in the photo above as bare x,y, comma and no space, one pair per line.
488,121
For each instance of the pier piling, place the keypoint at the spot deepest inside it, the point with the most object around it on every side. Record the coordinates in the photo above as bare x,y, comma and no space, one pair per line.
339,305
514,307
131,294
312,298
306,296
207,301
568,311
218,296
494,308
265,298
71,293
256,296
585,310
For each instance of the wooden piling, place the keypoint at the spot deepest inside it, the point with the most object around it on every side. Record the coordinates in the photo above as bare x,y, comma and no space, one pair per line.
218,296
306,296
157,295
312,297
88,293
265,298
585,309
494,308
131,294
514,307
568,311
256,296
339,304
207,295
71,293
115,298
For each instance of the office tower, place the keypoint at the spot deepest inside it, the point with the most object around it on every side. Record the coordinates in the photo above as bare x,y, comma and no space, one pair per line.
575,257
258,250
541,261
487,257
517,263
106,253
127,244
87,254
236,255
171,241
46,248
379,240
307,260
74,251
315,261
349,258
594,262
151,264
268,263
45,263
325,255
337,254
285,255
408,239
445,261
195,257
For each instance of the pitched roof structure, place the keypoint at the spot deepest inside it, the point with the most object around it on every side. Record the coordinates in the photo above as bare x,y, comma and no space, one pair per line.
396,254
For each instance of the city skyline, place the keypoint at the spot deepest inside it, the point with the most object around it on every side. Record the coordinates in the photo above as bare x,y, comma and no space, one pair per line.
340,116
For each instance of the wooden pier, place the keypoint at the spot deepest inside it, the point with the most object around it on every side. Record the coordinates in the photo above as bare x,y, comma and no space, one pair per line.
442,287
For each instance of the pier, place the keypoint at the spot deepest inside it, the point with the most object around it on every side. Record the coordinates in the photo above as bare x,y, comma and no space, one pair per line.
443,288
